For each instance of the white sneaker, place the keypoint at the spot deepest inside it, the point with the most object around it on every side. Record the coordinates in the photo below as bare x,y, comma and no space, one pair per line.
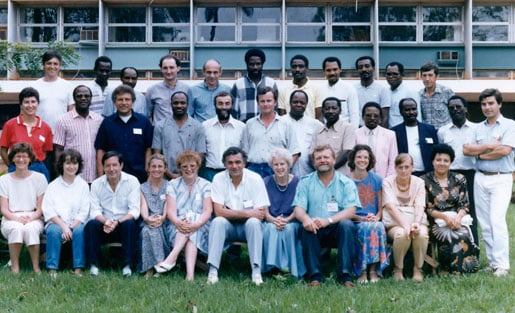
93,271
257,279
499,272
126,271
212,278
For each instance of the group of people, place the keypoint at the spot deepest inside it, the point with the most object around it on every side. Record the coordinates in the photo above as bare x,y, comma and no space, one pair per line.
290,172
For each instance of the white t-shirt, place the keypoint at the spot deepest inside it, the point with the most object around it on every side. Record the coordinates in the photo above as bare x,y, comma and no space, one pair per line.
54,98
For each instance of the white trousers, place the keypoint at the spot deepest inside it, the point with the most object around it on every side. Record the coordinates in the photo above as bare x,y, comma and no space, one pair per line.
492,194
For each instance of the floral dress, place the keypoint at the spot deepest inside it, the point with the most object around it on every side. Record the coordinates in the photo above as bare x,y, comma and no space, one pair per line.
457,251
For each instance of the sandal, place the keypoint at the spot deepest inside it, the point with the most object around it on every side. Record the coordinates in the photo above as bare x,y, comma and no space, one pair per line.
373,277
363,278
163,267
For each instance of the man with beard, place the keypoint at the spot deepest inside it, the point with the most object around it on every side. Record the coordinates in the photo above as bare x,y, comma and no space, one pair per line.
415,138
203,94
457,133
340,89
304,127
394,73
158,96
129,77
299,69
126,132
222,132
244,90
370,90
325,203
339,135
77,129
381,140
178,133
433,97
99,87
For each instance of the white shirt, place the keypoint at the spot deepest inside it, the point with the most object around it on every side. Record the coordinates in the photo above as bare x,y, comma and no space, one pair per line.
414,148
348,96
304,130
456,137
376,92
401,92
115,204
54,98
220,137
250,193
68,201
22,193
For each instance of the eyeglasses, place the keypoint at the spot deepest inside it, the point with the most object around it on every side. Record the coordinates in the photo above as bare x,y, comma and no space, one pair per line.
79,96
393,74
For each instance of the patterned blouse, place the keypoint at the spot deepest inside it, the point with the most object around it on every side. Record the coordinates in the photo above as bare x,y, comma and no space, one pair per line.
454,197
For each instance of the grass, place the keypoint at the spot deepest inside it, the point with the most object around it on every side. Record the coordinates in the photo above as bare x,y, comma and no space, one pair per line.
109,292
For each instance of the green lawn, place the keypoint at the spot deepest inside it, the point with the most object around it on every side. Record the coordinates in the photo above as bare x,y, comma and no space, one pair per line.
109,292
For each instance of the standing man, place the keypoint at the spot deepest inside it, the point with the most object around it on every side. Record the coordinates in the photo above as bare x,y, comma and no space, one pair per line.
222,132
299,65
434,97
394,75
336,133
325,203
127,132
415,138
244,90
203,94
304,127
239,202
158,96
370,90
77,129
129,77
178,133
494,140
345,92
266,132
457,133
99,87
381,140
115,207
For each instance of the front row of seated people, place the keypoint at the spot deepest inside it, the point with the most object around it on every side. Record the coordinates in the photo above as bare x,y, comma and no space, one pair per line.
285,220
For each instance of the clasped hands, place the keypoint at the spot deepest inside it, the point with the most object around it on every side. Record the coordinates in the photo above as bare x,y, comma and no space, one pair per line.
110,225
314,224
155,220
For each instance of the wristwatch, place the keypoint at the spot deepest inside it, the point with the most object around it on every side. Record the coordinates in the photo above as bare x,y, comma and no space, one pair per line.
330,220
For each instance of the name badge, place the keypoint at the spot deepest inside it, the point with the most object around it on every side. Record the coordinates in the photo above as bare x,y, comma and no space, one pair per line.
162,197
42,138
197,196
248,204
332,207
137,131
429,140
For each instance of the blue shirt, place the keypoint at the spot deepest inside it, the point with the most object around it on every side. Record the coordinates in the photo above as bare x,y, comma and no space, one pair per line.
201,101
314,197
131,139
504,129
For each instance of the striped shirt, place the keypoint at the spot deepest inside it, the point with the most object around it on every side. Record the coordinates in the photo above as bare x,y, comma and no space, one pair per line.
98,97
79,133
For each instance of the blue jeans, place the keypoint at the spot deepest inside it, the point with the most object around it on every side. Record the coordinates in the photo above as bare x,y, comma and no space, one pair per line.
54,243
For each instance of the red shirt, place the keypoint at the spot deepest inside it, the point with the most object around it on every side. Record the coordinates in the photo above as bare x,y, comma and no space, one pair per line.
40,136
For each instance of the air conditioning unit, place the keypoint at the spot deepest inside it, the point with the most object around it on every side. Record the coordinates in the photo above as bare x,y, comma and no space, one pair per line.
182,55
447,57
88,36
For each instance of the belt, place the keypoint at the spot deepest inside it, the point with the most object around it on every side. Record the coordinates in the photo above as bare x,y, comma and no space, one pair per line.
494,173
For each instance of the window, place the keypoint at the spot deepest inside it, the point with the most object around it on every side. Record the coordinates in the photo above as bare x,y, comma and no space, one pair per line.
398,23
490,23
442,23
80,24
126,24
306,24
261,24
216,24
171,24
38,24
3,23
351,23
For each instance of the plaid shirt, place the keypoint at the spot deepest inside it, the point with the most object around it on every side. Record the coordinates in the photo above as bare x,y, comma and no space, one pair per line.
434,109
244,92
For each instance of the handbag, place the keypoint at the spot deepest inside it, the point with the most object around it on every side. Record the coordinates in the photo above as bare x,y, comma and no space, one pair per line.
407,213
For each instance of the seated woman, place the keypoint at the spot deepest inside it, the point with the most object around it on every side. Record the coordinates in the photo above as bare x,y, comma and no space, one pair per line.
189,208
447,205
154,242
404,200
281,249
21,194
370,232
66,210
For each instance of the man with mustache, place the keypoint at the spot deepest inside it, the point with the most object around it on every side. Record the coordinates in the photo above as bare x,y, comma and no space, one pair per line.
177,133
129,77
244,90
222,132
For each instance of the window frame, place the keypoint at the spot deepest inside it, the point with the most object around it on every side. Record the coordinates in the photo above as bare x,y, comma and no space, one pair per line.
508,23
